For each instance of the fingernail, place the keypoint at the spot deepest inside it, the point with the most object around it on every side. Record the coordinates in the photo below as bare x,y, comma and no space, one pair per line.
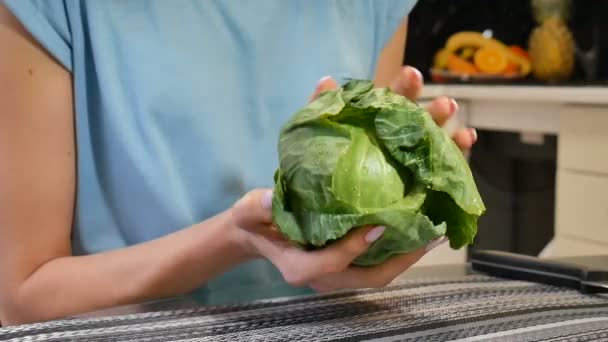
322,80
473,134
435,243
374,234
453,106
267,199
417,74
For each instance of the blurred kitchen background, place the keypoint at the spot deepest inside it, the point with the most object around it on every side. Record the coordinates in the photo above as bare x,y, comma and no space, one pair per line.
541,161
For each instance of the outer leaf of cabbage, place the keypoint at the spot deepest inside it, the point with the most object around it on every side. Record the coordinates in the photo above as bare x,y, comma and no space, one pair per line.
366,156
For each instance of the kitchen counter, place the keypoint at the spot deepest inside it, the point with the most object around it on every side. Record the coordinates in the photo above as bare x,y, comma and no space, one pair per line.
516,108
438,304
527,93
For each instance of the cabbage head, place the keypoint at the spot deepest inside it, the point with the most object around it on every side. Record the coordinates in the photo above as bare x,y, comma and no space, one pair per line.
361,155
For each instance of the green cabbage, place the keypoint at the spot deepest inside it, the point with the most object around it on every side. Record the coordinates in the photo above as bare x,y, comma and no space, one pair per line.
361,155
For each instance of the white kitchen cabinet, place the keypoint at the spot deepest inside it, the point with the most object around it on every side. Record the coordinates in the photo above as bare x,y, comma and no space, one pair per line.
581,226
582,208
443,255
583,139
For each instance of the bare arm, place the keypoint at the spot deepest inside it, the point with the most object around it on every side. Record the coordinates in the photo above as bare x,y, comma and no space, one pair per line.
391,57
39,277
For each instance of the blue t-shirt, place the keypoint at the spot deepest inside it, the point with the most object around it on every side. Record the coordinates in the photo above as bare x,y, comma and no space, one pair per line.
179,103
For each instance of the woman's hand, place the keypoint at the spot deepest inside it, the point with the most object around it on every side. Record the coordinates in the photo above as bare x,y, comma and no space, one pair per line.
331,268
408,82
323,270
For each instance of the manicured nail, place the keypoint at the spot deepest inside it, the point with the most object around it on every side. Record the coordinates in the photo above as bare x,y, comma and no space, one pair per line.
418,74
267,199
453,106
435,243
473,134
374,234
322,80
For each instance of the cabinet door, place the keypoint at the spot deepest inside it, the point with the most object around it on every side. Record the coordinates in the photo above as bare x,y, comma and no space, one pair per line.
582,206
443,255
583,138
566,246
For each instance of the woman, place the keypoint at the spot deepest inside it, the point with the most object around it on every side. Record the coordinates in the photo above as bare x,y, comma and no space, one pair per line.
129,128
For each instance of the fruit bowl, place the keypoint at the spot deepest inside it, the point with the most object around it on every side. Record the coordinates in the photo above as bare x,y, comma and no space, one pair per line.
473,57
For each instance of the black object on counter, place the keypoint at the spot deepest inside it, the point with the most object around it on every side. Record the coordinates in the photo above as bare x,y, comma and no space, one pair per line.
586,274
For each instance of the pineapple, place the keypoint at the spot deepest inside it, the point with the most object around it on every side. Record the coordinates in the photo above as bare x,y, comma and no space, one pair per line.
551,44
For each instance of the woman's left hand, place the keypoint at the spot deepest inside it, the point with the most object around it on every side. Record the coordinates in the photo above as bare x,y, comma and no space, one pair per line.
409,82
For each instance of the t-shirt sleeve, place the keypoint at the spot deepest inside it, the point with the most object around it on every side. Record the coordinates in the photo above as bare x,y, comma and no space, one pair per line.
390,13
48,22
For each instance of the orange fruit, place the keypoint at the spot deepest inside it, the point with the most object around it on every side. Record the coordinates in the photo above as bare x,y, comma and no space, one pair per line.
461,66
520,51
511,69
491,60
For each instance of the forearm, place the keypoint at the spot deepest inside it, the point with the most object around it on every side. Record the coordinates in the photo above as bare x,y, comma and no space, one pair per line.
172,265
390,60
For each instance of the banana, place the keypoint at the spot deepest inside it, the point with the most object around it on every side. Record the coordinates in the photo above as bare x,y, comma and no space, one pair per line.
477,40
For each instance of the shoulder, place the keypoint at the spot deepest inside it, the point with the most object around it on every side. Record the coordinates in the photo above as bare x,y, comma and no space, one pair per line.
47,22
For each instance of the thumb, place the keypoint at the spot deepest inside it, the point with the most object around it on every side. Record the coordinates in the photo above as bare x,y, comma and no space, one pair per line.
326,83
253,209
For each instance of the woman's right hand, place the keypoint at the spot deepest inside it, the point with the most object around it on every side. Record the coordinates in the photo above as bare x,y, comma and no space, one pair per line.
326,269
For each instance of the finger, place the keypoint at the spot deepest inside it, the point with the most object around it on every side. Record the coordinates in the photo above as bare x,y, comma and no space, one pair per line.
326,83
465,138
300,268
373,277
338,256
253,209
442,109
388,271
408,83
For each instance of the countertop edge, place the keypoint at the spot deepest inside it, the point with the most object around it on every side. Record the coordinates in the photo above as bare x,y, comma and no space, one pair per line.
552,94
